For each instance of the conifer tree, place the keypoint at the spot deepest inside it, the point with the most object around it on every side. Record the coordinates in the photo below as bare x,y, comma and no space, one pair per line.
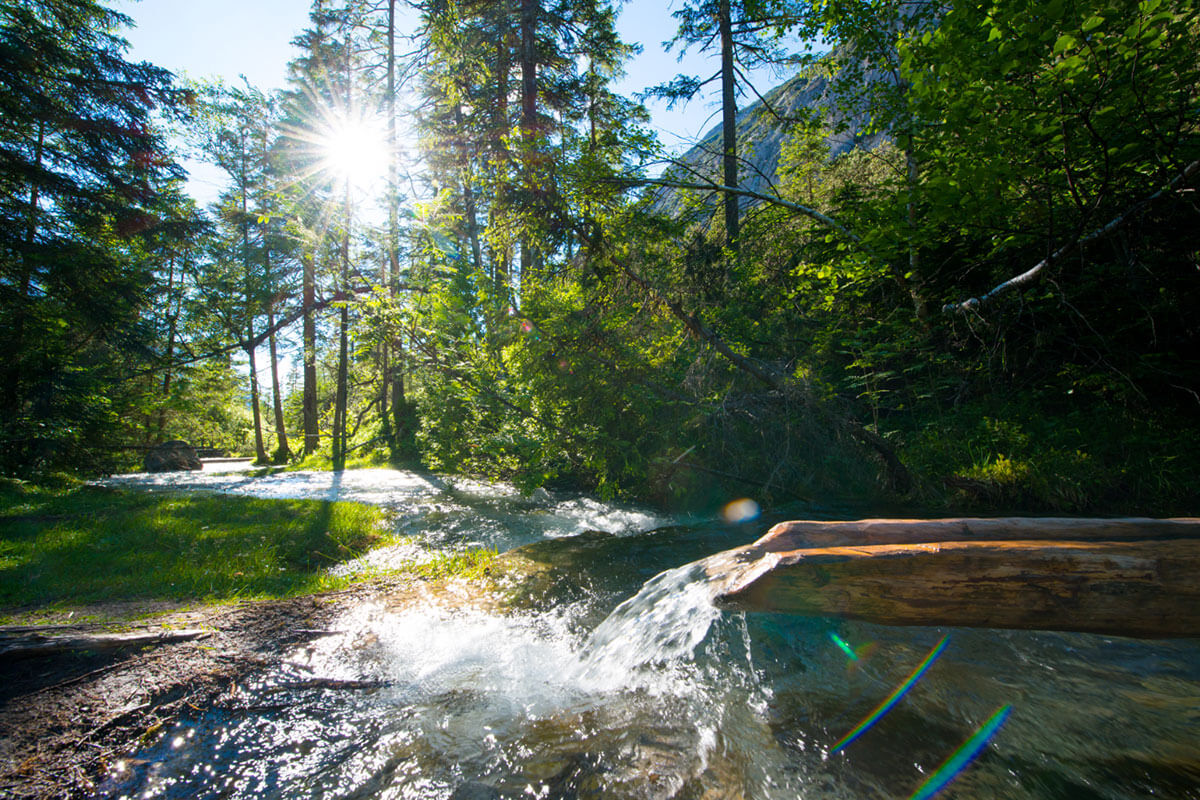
81,189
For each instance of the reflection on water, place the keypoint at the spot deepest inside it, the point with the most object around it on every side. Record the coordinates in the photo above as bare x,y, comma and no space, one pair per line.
666,697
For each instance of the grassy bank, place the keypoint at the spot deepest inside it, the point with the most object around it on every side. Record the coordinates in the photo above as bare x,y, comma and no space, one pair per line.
82,544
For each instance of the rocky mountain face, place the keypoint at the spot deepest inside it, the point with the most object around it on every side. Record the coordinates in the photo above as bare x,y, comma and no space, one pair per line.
762,129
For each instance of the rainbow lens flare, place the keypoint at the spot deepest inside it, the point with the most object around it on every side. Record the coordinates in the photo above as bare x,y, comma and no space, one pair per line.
960,758
893,698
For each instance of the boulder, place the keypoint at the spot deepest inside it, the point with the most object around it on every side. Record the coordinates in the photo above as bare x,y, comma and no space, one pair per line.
172,456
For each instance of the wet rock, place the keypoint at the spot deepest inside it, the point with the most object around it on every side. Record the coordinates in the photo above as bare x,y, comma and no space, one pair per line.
172,456
474,790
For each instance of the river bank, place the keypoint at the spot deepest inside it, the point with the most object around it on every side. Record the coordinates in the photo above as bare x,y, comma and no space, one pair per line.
585,660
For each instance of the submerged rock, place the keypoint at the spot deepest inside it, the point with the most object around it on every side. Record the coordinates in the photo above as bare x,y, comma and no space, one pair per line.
474,790
172,456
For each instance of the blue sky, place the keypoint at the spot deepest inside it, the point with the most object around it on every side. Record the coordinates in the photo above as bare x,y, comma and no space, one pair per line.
228,38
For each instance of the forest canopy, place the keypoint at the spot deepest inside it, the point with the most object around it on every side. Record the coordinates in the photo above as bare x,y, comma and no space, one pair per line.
951,259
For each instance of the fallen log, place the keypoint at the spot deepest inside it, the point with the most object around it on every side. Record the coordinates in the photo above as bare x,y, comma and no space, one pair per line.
1120,577
37,644
798,534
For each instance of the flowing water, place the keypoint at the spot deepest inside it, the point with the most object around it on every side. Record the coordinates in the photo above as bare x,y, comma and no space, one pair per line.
627,683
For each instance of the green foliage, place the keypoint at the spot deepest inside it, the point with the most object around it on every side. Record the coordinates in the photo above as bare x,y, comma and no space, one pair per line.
1093,459
87,196
528,317
88,544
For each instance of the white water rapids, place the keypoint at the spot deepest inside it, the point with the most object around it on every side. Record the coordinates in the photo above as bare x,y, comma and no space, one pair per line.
629,684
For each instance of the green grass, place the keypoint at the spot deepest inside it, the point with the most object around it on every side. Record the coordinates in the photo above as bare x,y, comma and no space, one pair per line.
471,564
84,544
356,459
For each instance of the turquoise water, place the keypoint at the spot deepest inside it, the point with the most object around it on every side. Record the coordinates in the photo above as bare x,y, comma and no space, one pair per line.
624,682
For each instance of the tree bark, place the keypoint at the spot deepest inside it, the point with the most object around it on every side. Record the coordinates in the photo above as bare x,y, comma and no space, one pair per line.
391,355
341,398
172,331
728,122
529,124
1131,577
281,437
501,255
312,434
260,451
12,389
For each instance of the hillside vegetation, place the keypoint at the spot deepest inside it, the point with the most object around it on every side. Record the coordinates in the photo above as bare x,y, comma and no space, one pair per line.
952,264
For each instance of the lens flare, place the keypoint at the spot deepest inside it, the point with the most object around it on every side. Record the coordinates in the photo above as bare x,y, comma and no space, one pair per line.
893,698
742,510
964,755
846,648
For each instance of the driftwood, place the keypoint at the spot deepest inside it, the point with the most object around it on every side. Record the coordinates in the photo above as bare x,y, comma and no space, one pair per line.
31,643
1128,577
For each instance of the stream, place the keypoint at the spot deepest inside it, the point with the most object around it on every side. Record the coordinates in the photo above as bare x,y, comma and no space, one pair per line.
624,682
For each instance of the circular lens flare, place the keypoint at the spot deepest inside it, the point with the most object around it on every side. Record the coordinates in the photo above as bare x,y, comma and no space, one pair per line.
742,510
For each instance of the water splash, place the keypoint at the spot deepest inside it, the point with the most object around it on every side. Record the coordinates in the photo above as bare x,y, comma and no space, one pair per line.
662,623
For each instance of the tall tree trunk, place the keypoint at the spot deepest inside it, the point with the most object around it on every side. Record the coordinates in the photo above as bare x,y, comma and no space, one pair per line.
341,398
16,344
501,255
283,453
471,218
312,434
391,267
529,15
260,451
728,122
342,395
172,331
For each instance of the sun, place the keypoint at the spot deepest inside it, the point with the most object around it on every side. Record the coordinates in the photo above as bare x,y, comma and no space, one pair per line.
356,150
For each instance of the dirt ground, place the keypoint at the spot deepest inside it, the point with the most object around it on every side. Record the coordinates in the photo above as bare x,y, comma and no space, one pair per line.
66,720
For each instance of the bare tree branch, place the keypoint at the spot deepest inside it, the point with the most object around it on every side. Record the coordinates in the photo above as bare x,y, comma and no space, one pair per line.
712,186
1037,269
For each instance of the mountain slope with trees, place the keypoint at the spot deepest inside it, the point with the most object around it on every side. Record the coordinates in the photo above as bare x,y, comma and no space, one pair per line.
985,302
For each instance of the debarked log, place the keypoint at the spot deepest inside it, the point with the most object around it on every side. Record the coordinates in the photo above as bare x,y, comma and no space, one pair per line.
800,534
1116,577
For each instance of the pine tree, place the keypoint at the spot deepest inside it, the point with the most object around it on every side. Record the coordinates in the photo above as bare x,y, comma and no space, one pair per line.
81,182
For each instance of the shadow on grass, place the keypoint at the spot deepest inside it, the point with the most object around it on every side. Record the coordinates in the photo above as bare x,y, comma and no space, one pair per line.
94,545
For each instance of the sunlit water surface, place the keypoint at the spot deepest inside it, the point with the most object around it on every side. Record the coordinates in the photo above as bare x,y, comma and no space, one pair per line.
622,690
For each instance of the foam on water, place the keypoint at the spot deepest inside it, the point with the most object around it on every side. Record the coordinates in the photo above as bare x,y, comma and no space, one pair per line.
445,512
